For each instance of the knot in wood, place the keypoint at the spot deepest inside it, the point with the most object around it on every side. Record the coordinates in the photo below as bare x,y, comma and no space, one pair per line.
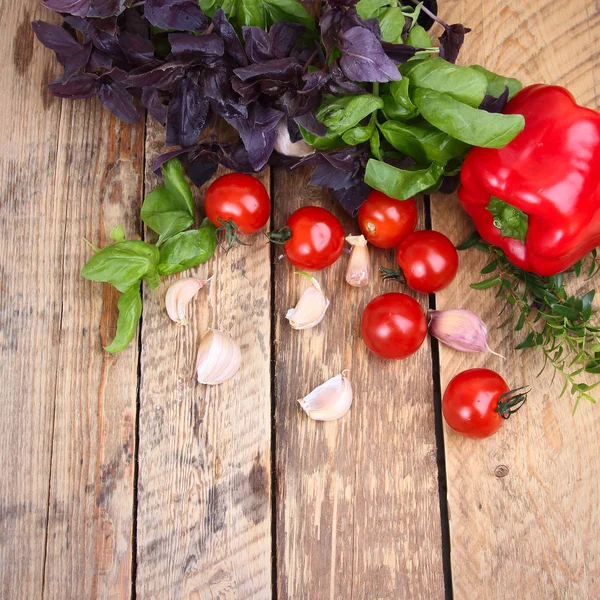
501,471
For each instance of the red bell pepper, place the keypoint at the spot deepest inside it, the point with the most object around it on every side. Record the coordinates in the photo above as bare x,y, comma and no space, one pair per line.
538,198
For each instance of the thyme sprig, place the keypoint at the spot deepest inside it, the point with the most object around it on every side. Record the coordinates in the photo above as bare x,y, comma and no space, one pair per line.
559,324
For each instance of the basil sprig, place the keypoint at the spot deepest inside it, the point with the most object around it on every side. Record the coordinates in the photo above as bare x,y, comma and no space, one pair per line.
169,211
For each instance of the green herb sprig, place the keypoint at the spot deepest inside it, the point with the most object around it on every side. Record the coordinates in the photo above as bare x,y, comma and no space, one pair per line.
169,211
559,324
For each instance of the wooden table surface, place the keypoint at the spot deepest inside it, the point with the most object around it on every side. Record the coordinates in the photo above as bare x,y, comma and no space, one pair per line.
121,477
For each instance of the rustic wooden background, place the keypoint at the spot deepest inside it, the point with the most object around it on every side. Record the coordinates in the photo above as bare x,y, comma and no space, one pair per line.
121,477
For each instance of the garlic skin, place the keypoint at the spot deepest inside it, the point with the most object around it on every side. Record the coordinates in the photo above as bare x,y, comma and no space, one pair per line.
358,272
330,401
311,307
460,329
179,295
219,358
285,146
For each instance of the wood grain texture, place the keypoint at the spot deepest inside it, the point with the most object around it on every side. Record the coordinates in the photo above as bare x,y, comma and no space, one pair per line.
68,411
357,501
523,507
204,514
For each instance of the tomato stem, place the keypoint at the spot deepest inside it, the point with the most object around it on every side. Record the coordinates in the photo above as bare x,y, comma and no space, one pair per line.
232,232
280,236
392,274
512,401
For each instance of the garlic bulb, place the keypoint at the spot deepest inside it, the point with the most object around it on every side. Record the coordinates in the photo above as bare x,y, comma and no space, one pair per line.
285,146
330,401
219,358
460,329
179,295
311,307
359,265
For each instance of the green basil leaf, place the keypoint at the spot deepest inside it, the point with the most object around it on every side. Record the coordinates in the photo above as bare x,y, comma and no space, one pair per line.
341,114
391,25
188,249
423,142
399,183
465,123
462,83
511,221
375,143
122,264
359,134
117,234
169,209
496,83
288,10
130,311
371,9
418,38
327,142
398,106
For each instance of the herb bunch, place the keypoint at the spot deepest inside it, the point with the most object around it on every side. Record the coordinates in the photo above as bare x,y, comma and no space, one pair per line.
559,324
361,83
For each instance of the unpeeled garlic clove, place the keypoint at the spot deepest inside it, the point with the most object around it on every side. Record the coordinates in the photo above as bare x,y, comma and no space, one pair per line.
358,272
311,307
330,401
219,358
285,146
460,329
179,295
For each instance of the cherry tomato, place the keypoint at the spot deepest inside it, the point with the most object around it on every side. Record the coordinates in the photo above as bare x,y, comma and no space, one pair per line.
239,198
317,238
428,260
385,222
393,326
477,402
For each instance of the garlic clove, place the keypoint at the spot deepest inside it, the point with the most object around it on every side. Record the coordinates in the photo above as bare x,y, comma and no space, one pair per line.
219,358
285,146
358,273
460,329
179,295
330,401
311,307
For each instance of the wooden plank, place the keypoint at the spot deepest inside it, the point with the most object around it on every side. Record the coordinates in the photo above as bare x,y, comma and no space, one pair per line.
204,514
357,499
523,509
70,170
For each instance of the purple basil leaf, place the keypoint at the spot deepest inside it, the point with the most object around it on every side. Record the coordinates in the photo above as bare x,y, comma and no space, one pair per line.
258,132
217,85
99,61
56,39
202,169
310,123
209,44
451,41
256,43
79,86
233,46
187,113
281,69
138,50
119,102
162,77
363,58
341,81
106,8
495,105
449,184
108,25
107,43
78,23
353,197
351,19
236,158
134,22
160,160
77,61
283,37
330,24
342,3
399,53
152,102
249,91
78,8
184,15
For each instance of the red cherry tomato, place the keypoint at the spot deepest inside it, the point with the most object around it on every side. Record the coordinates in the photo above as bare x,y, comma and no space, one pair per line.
428,260
239,198
385,222
393,326
317,238
478,401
